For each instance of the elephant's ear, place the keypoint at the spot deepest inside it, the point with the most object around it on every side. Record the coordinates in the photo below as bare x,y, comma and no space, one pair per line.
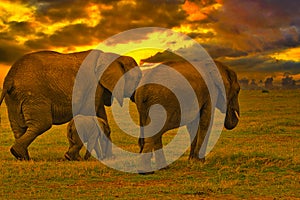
111,75
222,91
232,80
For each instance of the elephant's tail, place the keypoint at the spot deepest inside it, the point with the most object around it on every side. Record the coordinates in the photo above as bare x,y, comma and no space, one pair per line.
7,88
4,92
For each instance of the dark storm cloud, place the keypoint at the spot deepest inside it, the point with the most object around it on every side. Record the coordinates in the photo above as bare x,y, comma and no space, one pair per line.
147,12
257,25
9,52
216,51
144,13
239,27
20,28
77,34
72,35
56,11
138,35
203,36
120,18
261,63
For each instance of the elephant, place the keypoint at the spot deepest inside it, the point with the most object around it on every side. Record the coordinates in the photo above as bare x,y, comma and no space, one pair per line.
147,95
39,93
92,129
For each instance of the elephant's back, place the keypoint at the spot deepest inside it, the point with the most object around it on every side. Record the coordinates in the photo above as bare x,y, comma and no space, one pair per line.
47,63
46,70
48,76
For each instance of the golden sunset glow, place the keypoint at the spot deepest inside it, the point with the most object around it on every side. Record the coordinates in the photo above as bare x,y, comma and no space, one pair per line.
292,54
12,11
142,53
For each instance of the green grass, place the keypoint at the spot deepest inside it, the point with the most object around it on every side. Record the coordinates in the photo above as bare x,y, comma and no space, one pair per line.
258,159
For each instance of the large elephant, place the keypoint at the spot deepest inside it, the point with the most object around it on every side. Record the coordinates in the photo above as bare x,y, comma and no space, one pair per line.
148,95
38,90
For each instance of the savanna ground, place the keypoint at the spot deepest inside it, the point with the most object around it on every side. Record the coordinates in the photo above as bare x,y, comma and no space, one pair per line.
258,159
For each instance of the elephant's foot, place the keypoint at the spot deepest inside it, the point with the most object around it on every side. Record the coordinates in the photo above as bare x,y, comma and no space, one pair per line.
141,172
69,157
144,164
161,162
196,159
109,156
87,155
19,152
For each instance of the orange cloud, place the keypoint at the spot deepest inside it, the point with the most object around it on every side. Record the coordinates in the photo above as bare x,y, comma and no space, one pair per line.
200,10
292,54
194,11
230,28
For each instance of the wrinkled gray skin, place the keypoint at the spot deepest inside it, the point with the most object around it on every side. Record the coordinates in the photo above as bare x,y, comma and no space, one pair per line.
38,91
92,129
151,94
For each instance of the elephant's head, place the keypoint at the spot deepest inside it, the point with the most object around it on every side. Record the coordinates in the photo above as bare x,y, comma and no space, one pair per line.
122,69
232,89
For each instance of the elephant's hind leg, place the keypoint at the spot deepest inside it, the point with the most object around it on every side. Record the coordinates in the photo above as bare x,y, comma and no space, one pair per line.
37,122
17,129
16,118
18,132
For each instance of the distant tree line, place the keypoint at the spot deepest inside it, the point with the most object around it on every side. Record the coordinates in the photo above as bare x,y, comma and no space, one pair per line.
287,82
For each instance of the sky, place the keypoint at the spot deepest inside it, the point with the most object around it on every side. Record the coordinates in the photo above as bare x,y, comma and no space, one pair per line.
249,35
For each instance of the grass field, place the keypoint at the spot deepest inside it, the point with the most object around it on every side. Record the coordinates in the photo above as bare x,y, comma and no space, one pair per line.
260,159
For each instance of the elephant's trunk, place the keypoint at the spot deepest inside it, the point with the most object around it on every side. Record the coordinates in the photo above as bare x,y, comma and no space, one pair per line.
232,118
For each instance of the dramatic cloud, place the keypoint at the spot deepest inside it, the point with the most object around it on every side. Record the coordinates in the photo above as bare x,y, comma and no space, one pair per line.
68,23
258,25
9,51
246,34
262,63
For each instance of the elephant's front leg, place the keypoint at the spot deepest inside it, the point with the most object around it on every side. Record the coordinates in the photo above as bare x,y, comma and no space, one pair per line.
75,145
202,129
73,152
160,159
150,144
144,163
108,154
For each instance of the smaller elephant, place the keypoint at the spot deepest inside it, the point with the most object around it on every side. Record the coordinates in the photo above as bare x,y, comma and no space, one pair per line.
91,130
196,119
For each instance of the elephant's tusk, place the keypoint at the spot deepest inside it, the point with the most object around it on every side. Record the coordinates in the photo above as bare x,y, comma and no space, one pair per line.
237,115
